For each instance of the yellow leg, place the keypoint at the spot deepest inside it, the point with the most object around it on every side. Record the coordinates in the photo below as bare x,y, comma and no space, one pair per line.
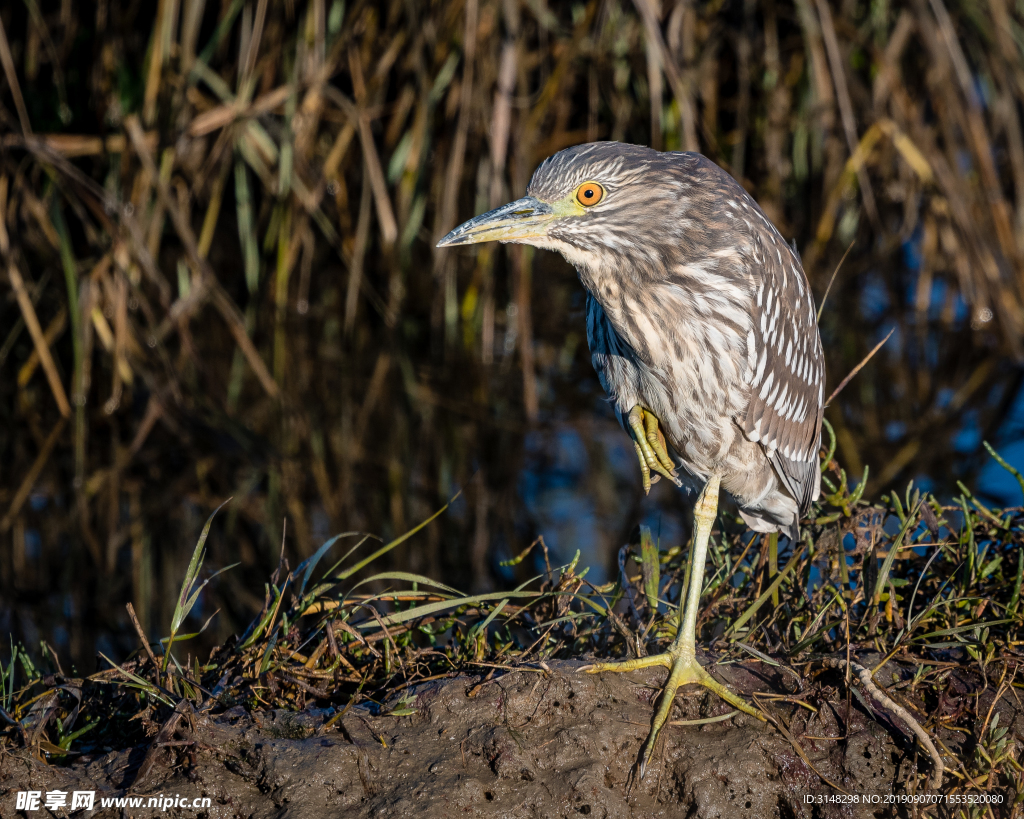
681,657
650,447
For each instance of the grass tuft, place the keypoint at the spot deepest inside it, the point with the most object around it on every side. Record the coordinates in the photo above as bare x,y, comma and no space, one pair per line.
321,639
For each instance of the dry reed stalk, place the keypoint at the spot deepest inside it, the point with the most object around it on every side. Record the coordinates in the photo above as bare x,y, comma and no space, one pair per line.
42,345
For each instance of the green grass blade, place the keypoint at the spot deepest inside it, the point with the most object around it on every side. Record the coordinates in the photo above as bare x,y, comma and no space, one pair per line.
396,542
909,521
307,565
222,31
407,576
948,632
999,460
192,600
142,684
194,565
246,231
650,568
433,608
7,679
481,628
753,607
1015,597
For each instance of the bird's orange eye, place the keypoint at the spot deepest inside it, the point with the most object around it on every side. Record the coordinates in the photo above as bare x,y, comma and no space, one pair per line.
589,194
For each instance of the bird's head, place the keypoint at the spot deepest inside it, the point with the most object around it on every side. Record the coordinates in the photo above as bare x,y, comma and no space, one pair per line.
593,202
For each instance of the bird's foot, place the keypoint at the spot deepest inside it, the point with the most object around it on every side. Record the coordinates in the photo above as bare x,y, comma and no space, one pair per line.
683,669
649,443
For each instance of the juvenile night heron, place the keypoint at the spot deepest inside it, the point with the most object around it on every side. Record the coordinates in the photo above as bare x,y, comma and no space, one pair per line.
703,332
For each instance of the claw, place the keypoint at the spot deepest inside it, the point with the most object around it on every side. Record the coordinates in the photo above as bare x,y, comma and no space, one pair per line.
683,669
650,447
681,658
645,470
656,439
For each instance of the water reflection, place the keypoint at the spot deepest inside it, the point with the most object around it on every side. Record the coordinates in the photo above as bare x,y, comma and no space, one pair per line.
594,517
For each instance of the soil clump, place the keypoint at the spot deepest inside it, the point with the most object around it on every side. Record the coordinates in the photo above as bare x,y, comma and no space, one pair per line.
529,742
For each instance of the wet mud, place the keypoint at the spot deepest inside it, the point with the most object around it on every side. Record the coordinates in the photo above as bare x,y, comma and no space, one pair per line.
534,742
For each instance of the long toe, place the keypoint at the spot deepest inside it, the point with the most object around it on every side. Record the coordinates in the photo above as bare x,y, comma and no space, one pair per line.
650,447
683,670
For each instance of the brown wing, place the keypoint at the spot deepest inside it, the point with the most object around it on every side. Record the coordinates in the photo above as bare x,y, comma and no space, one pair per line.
785,365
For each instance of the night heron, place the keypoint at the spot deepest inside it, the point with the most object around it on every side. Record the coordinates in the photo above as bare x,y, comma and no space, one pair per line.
703,332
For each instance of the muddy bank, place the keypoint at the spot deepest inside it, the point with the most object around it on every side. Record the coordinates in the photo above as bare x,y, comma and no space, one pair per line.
526,743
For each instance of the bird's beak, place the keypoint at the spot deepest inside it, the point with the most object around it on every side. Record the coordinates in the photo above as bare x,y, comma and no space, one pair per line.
518,221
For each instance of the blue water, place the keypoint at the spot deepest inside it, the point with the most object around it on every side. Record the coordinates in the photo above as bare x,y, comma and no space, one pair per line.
994,482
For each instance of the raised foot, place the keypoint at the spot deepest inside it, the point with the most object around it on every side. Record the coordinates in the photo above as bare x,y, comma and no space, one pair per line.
651,451
683,669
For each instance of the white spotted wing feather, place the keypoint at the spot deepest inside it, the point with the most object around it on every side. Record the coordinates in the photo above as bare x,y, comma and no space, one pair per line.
785,368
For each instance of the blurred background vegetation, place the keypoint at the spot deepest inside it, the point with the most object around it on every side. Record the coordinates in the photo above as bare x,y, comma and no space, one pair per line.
217,228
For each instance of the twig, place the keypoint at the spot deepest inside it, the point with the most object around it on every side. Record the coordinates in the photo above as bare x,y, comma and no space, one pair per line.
309,689
858,368
142,635
706,720
778,723
832,280
864,675
1003,686
160,740
33,474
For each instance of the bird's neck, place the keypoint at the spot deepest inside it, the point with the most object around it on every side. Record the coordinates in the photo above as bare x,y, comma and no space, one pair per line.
652,310
628,307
